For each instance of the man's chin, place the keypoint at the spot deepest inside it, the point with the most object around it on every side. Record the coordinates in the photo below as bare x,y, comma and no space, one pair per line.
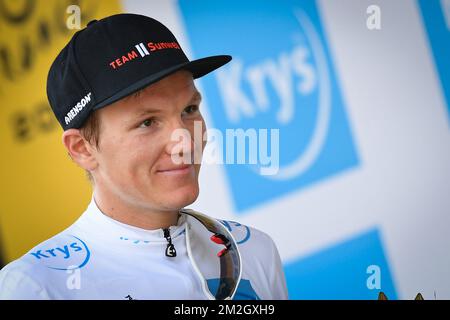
177,199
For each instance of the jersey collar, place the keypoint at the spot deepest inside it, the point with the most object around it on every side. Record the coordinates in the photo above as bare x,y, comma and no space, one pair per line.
93,219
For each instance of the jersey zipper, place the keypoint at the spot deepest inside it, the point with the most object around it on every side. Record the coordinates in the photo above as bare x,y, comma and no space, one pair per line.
170,249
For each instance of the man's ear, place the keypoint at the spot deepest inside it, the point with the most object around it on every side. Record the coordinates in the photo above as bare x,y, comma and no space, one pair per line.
79,149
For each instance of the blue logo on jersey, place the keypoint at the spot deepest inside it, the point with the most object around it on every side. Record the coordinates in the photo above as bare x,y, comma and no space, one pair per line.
244,290
134,241
281,77
436,15
241,232
73,255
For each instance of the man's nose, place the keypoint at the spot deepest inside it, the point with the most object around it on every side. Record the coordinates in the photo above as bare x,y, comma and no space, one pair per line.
180,140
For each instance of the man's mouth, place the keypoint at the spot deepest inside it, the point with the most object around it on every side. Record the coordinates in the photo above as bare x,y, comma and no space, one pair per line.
177,169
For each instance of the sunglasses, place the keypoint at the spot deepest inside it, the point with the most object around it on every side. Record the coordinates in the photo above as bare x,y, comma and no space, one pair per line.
201,244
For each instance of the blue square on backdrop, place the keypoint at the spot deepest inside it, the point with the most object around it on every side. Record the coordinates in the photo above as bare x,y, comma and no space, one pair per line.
436,17
354,269
281,77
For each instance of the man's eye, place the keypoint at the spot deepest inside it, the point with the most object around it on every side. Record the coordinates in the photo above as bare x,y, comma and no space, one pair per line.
190,110
146,123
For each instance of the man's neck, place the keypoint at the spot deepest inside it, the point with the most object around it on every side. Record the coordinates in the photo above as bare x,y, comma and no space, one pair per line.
134,215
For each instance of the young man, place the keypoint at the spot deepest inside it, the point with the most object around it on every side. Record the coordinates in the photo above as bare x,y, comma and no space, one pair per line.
120,89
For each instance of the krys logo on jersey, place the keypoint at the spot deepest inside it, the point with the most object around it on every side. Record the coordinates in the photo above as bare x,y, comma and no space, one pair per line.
68,253
281,77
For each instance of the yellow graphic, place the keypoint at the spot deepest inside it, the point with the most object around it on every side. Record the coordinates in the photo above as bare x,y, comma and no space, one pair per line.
42,191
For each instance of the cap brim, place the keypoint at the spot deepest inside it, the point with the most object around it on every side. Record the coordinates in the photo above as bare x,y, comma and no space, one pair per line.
198,68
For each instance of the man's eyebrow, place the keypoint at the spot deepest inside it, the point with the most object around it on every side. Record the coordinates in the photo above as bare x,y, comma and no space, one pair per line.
195,97
147,112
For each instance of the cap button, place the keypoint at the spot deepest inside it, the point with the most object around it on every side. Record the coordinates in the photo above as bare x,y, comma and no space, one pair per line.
91,22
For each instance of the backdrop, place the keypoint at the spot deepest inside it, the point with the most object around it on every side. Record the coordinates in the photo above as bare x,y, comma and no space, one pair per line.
359,91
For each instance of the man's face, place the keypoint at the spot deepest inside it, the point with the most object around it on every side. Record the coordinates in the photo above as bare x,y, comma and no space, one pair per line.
135,154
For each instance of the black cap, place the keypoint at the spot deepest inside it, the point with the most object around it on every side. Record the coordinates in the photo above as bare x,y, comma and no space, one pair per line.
112,58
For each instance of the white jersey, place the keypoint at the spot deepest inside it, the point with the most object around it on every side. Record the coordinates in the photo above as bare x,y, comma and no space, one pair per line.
100,258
